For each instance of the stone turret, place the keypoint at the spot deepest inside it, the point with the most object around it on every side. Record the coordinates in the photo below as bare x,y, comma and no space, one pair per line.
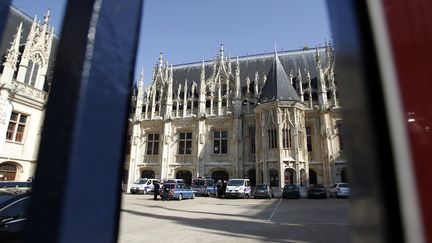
34,59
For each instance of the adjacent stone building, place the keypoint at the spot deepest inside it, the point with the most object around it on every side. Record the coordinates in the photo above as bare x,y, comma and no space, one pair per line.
27,46
273,118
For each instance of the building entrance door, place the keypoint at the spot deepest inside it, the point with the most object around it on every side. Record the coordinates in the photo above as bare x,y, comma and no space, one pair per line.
7,172
220,175
185,175
149,174
274,178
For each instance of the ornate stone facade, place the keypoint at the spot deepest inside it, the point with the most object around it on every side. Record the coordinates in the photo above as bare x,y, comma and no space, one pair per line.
271,118
22,93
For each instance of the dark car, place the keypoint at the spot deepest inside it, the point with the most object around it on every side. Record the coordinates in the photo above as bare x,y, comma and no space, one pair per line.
15,184
263,191
291,191
317,191
13,213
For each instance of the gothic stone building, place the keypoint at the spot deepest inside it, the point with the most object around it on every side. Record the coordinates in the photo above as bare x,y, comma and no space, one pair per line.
27,46
273,118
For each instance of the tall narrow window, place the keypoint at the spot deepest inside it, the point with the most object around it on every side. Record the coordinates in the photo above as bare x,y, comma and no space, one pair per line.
152,144
309,139
286,132
185,144
340,135
252,137
16,127
220,142
272,135
31,74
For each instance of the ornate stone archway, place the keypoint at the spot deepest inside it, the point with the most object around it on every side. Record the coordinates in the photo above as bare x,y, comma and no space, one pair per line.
8,171
290,176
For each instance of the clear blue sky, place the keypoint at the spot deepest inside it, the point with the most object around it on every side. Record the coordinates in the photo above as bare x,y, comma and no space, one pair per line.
192,30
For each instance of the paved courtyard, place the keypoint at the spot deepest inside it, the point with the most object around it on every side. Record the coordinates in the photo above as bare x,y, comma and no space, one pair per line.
234,220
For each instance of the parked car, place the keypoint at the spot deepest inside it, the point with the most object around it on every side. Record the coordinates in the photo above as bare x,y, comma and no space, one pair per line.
173,181
13,213
143,186
204,186
238,188
340,190
15,184
317,191
291,191
178,191
263,191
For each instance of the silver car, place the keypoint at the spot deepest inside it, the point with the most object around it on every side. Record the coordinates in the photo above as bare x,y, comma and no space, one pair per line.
340,190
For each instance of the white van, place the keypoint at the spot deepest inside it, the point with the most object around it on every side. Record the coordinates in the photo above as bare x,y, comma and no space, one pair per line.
143,186
238,188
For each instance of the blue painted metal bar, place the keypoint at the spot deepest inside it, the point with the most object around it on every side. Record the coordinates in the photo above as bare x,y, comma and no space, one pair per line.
4,13
76,196
373,176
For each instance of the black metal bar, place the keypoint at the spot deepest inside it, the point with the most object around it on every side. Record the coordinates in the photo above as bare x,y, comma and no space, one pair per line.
375,207
76,196
4,14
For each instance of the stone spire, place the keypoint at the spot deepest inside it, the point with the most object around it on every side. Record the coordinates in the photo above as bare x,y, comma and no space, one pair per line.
140,96
202,79
256,84
300,85
278,85
322,89
160,65
221,52
237,79
12,55
13,51
169,100
229,64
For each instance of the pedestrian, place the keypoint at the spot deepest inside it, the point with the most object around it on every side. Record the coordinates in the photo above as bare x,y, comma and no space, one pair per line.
219,188
165,192
224,185
156,189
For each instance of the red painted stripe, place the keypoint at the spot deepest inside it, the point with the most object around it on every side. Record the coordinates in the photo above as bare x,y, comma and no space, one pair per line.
409,24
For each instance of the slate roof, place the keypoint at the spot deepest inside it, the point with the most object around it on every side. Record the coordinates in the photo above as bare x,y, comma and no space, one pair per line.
278,85
291,61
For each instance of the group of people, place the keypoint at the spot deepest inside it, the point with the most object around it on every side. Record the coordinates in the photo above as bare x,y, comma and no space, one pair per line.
221,187
165,191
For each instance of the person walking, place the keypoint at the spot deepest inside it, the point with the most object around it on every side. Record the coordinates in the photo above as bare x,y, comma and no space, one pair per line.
156,189
165,192
219,188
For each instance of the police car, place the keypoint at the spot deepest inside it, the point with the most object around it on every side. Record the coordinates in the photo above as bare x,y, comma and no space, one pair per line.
143,186
204,186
